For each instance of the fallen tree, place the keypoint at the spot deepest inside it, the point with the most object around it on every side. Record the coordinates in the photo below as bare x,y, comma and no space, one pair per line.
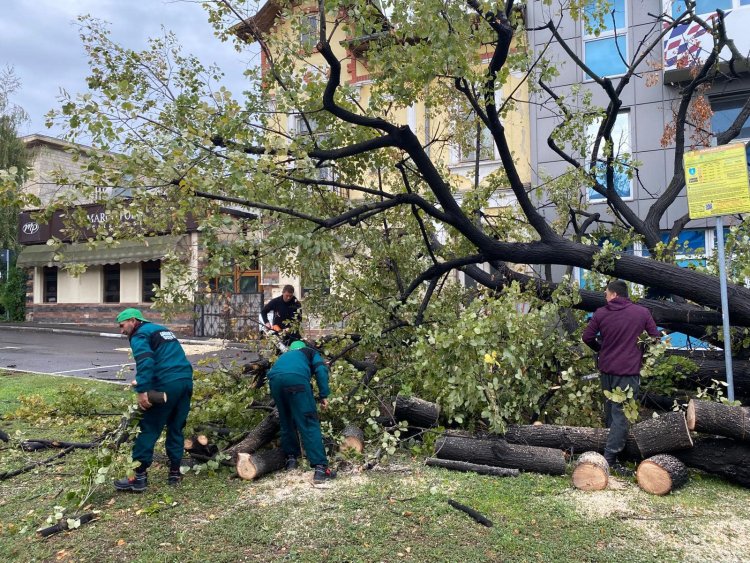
499,453
252,466
719,456
258,437
573,439
711,417
471,467
666,433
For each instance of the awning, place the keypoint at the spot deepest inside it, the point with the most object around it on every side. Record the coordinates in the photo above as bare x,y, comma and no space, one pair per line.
124,252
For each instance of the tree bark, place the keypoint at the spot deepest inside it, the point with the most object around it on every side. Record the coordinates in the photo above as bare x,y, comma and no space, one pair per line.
354,439
711,366
471,467
63,525
574,439
711,417
257,437
200,447
666,433
499,453
253,466
720,456
36,444
479,518
661,474
591,472
415,411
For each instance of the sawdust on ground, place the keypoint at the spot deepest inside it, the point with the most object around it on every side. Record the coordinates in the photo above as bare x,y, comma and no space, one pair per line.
191,349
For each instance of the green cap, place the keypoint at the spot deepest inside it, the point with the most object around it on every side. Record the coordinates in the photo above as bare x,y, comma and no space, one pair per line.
130,313
297,345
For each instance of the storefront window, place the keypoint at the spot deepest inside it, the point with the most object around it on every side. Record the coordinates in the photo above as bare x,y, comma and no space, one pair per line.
150,276
111,274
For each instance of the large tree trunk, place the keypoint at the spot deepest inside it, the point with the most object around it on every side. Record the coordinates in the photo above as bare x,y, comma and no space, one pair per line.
667,433
661,474
257,437
720,456
574,439
417,412
500,453
253,466
710,417
711,366
471,467
591,472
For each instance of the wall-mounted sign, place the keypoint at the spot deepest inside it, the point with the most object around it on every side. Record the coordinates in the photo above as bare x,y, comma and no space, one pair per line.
717,181
30,228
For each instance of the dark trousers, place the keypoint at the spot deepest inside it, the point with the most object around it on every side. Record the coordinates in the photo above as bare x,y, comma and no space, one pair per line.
172,414
298,413
614,415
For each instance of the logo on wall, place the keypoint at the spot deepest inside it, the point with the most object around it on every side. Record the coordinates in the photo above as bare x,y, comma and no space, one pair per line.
30,228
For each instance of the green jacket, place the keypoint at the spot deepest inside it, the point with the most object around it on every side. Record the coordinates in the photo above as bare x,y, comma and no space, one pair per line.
296,363
159,357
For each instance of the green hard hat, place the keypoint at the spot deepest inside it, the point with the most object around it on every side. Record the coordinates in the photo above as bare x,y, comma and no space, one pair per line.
297,345
130,313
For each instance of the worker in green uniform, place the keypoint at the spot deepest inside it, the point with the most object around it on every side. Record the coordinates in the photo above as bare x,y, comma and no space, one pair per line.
291,389
161,365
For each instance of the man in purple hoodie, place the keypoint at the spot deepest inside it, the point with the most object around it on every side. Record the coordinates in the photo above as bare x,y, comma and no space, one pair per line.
613,332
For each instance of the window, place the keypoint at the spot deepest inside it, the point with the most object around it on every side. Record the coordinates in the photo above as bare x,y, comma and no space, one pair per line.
111,275
245,279
707,6
468,146
621,154
150,276
605,48
308,36
725,111
49,284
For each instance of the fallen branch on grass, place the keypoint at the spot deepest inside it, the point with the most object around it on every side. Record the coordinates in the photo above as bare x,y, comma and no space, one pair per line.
63,524
472,467
471,512
29,467
36,444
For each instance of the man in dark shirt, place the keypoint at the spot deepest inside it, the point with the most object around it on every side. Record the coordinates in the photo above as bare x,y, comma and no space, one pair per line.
287,314
613,332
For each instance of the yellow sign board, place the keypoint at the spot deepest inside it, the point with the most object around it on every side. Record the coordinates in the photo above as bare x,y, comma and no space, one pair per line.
717,181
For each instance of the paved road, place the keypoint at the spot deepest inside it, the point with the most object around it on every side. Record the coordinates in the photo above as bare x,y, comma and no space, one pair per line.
94,357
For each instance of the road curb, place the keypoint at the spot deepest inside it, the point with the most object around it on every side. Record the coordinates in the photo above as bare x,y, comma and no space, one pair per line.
212,342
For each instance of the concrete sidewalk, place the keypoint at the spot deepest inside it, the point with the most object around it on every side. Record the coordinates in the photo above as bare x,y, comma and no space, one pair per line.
103,331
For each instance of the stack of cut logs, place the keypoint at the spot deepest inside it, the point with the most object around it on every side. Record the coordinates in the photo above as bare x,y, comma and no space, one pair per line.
664,447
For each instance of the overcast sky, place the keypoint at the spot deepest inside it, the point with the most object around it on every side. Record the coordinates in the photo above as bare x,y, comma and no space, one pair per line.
39,38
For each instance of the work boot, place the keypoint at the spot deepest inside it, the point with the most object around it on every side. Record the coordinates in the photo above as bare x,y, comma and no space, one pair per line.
323,473
620,470
291,462
135,484
175,477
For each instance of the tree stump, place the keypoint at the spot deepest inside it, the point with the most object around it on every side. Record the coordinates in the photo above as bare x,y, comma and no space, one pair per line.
257,437
591,472
661,474
415,411
354,439
499,453
253,466
720,456
666,433
471,467
710,417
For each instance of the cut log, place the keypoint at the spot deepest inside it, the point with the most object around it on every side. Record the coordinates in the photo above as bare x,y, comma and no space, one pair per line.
36,444
257,437
253,466
666,433
711,417
661,474
720,456
574,439
499,453
472,467
415,411
63,524
591,472
354,439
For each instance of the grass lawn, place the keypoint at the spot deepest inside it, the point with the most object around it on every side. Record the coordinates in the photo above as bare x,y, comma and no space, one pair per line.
396,514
